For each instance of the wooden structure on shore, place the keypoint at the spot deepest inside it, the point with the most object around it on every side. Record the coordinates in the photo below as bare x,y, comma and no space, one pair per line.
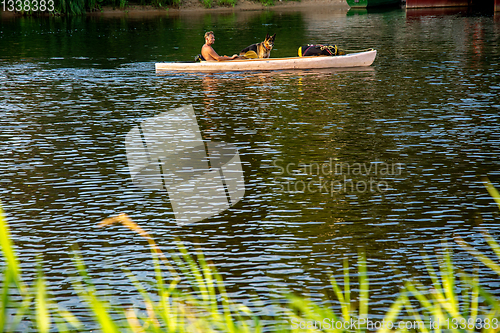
452,3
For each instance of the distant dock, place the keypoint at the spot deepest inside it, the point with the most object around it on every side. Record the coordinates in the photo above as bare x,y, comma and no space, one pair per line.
493,4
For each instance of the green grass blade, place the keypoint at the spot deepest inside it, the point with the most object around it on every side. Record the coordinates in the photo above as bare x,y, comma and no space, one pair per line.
11,275
447,277
432,273
208,275
363,286
61,325
187,273
492,243
347,289
492,191
152,320
87,293
4,301
225,304
7,246
102,315
410,286
309,313
478,255
474,307
22,310
195,271
42,311
340,297
68,317
488,297
393,312
438,316
415,315
63,317
467,292
445,304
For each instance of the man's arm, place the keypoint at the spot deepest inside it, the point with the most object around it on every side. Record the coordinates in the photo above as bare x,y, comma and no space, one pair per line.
209,54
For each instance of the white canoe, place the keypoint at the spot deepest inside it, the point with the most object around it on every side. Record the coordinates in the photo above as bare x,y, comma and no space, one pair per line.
348,60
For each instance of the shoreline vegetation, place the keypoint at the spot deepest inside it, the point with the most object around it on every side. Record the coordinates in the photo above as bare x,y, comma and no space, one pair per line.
167,7
189,296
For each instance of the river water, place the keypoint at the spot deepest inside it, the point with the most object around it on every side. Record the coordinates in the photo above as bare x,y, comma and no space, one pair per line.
386,159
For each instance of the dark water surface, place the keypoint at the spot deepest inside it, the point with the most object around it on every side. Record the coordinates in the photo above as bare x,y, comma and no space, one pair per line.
425,117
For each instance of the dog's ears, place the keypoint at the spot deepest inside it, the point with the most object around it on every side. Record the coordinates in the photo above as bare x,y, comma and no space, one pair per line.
267,37
270,37
273,37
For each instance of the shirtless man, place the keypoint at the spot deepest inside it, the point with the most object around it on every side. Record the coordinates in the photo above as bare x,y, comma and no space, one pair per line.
209,53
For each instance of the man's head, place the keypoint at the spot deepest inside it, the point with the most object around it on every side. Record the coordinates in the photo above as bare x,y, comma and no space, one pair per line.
209,37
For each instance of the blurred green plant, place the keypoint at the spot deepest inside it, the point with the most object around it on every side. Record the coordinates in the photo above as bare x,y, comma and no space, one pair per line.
226,3
206,3
267,2
79,7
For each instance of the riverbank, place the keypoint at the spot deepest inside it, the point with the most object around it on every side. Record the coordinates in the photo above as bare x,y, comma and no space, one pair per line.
196,6
193,6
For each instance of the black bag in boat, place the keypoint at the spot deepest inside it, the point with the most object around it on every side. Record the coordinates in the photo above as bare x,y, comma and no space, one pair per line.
199,57
319,50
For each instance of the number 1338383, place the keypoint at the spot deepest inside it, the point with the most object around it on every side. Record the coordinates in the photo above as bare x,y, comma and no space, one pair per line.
28,5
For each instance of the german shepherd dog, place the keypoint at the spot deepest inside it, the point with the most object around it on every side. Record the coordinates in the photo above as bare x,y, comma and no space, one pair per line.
262,50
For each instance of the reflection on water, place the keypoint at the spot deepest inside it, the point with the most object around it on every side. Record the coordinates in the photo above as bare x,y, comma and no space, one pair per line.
72,89
167,152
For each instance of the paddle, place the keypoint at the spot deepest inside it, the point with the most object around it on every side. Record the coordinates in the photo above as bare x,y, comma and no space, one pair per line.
250,55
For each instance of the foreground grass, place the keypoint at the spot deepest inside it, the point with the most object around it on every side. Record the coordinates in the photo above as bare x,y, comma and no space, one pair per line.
455,302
